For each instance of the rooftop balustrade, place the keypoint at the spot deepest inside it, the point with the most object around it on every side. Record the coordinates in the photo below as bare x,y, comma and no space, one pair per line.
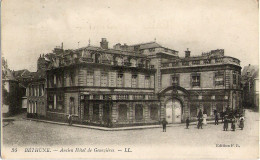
220,60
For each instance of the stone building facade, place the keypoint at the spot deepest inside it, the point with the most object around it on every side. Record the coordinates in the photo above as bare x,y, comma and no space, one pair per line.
138,84
36,90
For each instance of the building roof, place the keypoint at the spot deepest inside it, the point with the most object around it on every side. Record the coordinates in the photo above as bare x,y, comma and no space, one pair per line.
251,71
21,73
147,45
110,50
8,75
34,76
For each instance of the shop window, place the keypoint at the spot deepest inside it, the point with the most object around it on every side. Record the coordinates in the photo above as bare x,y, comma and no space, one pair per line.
138,112
154,112
207,109
86,110
193,110
122,112
96,112
219,107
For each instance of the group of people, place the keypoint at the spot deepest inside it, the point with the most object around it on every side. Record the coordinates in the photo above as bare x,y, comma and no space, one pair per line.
227,117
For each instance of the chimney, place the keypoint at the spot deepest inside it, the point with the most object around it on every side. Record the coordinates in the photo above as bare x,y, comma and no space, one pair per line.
104,43
187,53
62,45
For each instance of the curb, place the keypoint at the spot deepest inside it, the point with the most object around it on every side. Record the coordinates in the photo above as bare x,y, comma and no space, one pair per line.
116,129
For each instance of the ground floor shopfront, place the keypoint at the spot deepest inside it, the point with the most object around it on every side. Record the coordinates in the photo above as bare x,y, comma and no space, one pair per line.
173,103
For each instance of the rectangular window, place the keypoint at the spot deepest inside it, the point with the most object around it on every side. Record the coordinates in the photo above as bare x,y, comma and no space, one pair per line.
206,61
59,101
54,79
51,81
120,80
147,82
185,63
40,90
175,80
195,80
219,78
35,90
234,78
50,101
59,81
72,79
54,99
90,78
104,79
134,81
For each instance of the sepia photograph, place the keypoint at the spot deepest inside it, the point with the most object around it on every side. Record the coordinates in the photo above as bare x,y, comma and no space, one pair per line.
130,79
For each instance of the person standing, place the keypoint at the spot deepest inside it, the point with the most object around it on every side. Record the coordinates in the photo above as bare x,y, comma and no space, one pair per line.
200,123
200,114
70,119
187,123
241,122
233,123
164,123
216,118
204,118
225,124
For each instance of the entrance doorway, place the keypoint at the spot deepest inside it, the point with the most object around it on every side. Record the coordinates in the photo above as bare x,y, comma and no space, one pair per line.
173,111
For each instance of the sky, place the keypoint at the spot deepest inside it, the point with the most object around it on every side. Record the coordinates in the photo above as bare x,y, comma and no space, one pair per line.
34,27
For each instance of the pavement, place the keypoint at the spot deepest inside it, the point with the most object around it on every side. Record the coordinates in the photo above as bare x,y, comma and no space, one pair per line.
119,128
145,143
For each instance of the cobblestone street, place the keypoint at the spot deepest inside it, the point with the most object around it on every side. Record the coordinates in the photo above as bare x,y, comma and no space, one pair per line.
32,133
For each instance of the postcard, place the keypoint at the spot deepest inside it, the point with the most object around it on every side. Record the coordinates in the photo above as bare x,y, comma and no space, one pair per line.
157,79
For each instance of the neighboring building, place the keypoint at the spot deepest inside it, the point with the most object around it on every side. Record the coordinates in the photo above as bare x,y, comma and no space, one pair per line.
35,91
250,82
10,91
139,84
22,76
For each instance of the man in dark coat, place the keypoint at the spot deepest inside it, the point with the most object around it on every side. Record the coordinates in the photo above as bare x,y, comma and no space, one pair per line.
225,124
200,114
216,118
164,123
187,123
200,123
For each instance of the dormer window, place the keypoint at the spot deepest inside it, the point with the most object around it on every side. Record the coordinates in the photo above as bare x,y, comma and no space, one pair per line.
151,49
196,62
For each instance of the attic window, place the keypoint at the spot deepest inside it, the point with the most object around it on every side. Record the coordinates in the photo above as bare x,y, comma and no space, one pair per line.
151,49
